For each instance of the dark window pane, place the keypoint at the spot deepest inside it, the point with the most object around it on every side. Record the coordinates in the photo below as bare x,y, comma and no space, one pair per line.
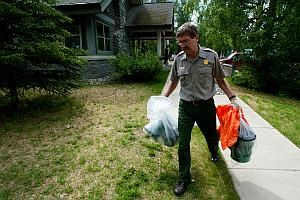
107,44
73,42
73,29
101,44
100,29
106,30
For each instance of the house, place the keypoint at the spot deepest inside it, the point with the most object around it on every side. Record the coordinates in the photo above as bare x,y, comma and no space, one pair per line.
107,27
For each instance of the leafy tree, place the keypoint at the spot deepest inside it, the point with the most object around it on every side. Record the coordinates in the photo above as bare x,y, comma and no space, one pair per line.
219,22
222,24
269,27
182,15
32,52
274,36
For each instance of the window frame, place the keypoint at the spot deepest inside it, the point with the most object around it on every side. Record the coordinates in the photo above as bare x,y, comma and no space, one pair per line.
78,24
104,38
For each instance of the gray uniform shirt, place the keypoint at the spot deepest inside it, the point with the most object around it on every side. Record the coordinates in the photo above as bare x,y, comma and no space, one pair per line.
197,76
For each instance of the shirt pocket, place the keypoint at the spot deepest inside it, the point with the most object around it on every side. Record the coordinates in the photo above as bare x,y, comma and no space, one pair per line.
183,72
205,66
207,70
184,69
204,78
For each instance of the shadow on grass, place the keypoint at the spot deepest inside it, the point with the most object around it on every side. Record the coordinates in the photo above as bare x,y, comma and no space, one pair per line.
206,184
32,152
47,108
168,179
210,183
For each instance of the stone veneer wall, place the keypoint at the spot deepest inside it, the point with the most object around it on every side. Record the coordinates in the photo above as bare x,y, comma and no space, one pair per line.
98,68
120,38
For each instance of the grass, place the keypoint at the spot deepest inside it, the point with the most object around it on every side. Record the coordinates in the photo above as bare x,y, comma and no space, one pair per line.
91,146
281,112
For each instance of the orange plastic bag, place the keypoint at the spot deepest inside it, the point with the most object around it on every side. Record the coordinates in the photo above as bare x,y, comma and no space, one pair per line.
229,118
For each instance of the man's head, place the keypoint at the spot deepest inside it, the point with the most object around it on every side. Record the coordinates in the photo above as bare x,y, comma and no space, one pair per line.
188,28
187,37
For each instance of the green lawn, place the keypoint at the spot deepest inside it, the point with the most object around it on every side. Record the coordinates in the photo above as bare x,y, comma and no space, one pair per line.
281,112
91,146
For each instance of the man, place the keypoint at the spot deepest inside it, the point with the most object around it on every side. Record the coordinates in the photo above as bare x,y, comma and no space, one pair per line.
197,69
166,54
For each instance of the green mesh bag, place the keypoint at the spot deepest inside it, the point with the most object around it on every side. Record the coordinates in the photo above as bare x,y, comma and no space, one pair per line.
241,151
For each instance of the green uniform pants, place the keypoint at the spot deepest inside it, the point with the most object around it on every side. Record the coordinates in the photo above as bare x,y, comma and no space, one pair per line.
204,114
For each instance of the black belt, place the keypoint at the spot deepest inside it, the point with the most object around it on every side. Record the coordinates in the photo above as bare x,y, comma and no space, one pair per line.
198,102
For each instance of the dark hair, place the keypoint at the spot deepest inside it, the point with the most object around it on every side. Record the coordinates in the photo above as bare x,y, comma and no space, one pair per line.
188,28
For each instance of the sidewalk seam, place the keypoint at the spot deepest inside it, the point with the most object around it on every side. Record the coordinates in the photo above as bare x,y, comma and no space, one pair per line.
263,127
261,169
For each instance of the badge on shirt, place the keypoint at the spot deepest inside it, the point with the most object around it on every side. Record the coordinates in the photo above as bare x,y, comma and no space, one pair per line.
205,62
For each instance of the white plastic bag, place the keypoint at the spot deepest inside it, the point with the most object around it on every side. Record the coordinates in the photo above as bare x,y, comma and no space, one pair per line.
246,132
163,126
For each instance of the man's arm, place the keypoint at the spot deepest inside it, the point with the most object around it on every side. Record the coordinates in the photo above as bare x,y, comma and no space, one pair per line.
223,84
170,88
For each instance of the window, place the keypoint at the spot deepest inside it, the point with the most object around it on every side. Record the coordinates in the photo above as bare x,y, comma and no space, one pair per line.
103,37
74,40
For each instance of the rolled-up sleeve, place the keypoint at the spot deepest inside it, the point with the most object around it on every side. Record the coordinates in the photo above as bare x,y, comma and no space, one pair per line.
174,77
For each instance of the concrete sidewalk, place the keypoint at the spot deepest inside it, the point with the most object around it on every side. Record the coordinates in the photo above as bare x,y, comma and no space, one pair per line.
273,172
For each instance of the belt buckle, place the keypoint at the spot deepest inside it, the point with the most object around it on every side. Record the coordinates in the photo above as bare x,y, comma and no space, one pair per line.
195,104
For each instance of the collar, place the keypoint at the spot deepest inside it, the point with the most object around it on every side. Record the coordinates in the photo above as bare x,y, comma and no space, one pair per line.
201,53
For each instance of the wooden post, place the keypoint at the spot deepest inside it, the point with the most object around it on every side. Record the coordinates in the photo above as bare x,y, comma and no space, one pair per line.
158,46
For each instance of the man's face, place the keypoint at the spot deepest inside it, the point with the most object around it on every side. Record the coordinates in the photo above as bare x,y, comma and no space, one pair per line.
187,43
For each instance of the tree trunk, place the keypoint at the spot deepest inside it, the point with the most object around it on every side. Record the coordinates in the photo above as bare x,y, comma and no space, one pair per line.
13,93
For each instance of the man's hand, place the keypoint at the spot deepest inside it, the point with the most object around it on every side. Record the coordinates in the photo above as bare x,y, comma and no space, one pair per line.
170,88
236,104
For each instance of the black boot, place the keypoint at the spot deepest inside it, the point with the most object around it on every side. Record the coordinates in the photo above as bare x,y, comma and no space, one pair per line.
180,188
214,156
